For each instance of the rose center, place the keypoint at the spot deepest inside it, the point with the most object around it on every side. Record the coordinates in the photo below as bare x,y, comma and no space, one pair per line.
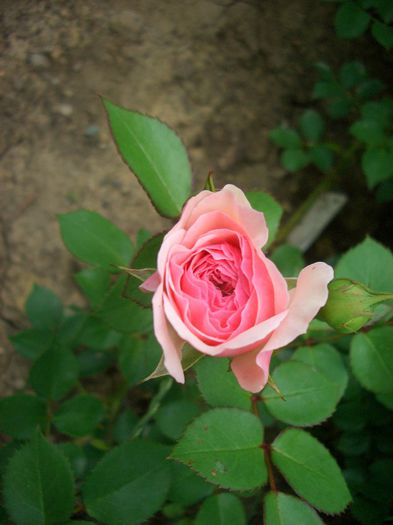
222,283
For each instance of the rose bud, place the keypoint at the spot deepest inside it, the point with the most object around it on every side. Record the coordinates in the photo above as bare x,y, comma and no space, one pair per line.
215,289
350,305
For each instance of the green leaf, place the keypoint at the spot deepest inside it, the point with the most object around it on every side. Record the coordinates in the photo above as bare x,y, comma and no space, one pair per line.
327,360
21,414
322,157
221,509
369,88
94,282
95,334
282,509
377,165
372,359
187,488
351,21
379,111
310,470
294,159
386,400
271,209
383,34
155,154
285,137
124,426
312,125
219,386
370,263
301,386
44,308
32,343
339,108
351,73
38,485
223,446
54,373
129,484
138,358
92,362
76,457
123,314
172,418
95,240
385,10
353,444
288,259
368,131
79,416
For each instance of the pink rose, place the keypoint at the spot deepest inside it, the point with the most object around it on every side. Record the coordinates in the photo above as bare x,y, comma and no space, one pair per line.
215,289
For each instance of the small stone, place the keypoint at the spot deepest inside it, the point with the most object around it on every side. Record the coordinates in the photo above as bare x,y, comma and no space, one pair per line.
92,131
64,109
39,60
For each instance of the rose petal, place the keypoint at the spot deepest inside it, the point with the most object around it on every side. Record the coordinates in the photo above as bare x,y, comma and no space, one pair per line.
309,296
251,377
151,284
169,340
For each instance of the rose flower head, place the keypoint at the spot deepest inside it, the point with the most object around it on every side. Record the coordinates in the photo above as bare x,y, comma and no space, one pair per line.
215,289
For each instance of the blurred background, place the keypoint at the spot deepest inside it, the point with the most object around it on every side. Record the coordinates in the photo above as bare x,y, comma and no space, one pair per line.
221,73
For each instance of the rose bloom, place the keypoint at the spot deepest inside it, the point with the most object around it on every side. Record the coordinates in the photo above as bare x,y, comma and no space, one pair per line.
215,289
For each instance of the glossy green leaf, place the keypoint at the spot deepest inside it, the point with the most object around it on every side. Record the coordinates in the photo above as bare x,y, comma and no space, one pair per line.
294,159
54,374
129,484
172,418
288,259
271,209
310,470
312,125
44,308
283,509
38,485
351,21
223,446
372,359
123,314
301,385
95,240
370,263
187,488
32,343
219,386
94,282
377,165
285,137
221,509
138,358
79,416
21,414
383,34
155,154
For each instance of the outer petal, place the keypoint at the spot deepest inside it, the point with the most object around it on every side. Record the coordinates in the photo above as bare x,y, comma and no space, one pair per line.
151,284
251,377
309,296
168,338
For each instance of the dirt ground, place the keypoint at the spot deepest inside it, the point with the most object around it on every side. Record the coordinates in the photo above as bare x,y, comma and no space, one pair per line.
221,73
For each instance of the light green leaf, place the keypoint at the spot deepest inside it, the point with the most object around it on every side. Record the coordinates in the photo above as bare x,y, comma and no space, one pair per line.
312,125
21,414
285,137
94,282
223,446
219,386
351,21
95,240
129,484
155,154
44,308
301,386
294,159
383,34
372,359
38,485
283,509
288,259
221,509
271,209
310,470
79,416
370,263
54,373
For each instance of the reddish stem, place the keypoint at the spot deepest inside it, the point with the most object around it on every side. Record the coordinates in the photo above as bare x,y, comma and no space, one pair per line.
272,481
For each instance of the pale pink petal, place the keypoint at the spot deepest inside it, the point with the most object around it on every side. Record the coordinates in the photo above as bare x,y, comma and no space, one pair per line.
307,298
172,238
151,284
169,340
250,376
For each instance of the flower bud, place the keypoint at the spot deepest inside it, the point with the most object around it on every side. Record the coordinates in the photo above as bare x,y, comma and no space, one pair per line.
350,305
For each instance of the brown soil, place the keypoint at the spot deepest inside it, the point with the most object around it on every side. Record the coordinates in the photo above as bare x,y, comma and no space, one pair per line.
221,73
